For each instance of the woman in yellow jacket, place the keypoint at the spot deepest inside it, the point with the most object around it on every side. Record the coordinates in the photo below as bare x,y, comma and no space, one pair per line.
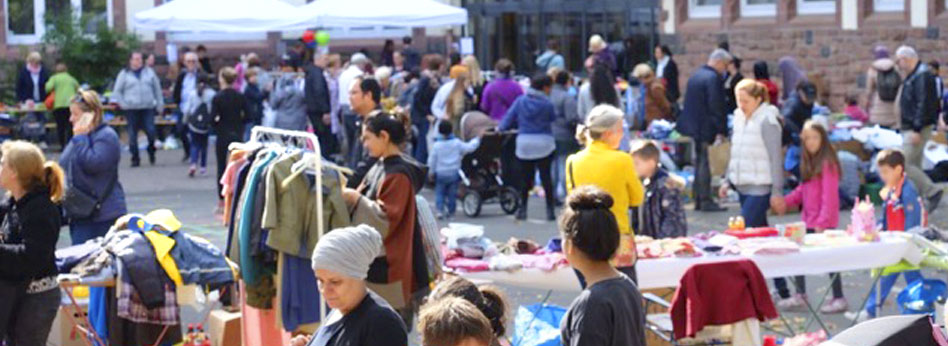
601,164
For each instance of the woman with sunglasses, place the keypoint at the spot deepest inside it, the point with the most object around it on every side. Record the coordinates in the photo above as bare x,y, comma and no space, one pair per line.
91,161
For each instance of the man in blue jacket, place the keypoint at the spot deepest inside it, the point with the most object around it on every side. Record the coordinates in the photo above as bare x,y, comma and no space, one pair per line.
703,119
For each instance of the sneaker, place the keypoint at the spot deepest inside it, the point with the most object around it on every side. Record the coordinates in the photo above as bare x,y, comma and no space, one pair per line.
191,171
858,316
834,306
796,302
440,216
203,171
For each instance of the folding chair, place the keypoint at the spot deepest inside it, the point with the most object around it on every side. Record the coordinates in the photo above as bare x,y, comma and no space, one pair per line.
727,282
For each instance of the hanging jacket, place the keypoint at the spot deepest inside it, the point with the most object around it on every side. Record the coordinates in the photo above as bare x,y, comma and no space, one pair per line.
139,260
196,260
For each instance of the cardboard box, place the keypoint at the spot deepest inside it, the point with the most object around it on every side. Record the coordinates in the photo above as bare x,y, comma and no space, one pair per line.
223,328
855,147
63,332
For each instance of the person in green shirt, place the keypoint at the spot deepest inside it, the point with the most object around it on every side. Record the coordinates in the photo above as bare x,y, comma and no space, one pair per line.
65,87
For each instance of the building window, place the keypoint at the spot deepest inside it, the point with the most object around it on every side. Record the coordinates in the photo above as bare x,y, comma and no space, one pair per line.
816,6
758,8
888,5
25,24
704,8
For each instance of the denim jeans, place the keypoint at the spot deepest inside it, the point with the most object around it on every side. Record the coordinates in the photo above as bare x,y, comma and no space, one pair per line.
140,120
81,231
421,142
199,148
754,209
446,193
886,282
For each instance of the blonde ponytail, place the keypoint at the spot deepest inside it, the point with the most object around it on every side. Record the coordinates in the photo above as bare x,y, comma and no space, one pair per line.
55,181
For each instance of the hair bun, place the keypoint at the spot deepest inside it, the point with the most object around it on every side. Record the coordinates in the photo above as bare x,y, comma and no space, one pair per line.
589,198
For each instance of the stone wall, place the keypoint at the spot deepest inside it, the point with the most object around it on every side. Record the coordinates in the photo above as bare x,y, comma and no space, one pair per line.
839,57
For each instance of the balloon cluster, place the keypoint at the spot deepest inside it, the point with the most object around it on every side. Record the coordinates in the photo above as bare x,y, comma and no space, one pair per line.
313,38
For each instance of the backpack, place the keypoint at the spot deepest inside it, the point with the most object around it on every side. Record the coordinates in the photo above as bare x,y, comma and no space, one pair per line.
200,121
888,83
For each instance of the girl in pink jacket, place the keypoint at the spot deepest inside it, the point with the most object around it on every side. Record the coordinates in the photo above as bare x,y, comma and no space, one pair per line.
818,197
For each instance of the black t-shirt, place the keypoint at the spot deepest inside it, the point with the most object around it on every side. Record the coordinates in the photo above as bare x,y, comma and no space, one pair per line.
608,313
229,108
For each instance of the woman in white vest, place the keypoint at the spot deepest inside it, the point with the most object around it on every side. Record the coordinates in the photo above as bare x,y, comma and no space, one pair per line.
756,166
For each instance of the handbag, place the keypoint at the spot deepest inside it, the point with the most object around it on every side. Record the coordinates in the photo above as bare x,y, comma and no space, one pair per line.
81,205
50,100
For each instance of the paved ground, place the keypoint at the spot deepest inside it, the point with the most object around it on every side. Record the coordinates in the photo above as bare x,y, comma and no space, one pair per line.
166,185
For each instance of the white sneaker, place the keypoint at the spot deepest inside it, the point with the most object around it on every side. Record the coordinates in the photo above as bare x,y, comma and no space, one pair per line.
858,316
835,306
796,302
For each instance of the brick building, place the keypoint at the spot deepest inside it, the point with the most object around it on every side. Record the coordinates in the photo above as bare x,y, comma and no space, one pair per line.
830,39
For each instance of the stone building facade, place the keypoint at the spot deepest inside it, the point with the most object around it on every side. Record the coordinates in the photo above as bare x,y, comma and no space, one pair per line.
830,39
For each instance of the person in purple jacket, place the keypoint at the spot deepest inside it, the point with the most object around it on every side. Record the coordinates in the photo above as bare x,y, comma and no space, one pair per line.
500,93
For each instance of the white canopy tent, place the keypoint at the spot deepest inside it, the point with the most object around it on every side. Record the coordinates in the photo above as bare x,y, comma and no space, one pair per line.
219,16
394,13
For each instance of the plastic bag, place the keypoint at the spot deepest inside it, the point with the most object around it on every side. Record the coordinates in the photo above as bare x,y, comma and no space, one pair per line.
538,325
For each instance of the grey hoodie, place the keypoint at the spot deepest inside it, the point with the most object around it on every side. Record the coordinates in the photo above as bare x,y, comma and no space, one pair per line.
141,91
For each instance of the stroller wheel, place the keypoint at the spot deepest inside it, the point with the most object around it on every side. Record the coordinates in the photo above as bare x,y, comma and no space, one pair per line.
509,200
471,203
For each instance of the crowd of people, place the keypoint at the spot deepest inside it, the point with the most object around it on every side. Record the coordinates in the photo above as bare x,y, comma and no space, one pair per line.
397,125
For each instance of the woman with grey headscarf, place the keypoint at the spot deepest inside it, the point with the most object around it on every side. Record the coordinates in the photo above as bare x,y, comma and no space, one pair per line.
359,317
882,87
791,74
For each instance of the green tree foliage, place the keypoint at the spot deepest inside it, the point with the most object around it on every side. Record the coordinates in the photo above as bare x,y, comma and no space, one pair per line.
92,57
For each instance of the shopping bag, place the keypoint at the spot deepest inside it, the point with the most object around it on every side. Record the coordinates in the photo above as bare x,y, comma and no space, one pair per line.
538,325
718,156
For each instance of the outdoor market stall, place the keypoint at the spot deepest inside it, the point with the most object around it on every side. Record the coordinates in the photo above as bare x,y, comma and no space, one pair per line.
220,16
402,13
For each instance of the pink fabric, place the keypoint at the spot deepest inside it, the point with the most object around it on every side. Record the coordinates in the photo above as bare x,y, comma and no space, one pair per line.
259,327
34,69
239,82
545,262
230,175
853,111
467,264
819,197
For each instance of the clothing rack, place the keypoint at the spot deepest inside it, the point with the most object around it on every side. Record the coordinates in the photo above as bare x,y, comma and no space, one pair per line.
307,142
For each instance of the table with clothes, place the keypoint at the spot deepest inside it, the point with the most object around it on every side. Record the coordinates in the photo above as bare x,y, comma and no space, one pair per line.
270,206
662,264
143,263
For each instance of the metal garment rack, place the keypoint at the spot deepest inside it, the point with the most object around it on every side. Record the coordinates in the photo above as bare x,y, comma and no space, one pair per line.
307,142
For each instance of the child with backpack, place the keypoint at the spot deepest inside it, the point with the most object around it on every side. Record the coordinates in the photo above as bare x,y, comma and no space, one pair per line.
818,197
198,118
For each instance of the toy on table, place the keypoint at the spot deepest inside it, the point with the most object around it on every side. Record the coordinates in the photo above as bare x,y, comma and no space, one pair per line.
863,224
794,231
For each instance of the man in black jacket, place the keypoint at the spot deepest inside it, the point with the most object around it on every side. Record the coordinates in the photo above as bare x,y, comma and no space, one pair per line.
703,119
318,108
918,104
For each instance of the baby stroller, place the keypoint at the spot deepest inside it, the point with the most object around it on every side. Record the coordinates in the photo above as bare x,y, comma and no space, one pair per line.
481,170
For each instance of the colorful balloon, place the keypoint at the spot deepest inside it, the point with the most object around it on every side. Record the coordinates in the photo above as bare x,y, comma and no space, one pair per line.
322,37
308,36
